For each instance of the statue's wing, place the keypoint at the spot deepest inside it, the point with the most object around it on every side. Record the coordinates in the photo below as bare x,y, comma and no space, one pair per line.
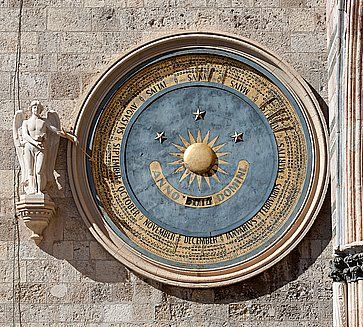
52,119
17,136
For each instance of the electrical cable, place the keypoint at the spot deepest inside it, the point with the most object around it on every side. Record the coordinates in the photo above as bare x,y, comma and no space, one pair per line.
16,237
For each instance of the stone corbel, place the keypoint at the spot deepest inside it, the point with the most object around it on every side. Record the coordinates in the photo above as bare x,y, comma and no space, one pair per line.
36,210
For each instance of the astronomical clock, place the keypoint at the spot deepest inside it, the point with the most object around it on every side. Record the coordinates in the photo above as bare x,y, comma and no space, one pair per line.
202,159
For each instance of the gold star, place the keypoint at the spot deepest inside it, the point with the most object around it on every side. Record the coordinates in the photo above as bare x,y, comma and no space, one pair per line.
237,137
199,114
161,137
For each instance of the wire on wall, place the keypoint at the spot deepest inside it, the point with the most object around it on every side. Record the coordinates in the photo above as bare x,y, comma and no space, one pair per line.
16,237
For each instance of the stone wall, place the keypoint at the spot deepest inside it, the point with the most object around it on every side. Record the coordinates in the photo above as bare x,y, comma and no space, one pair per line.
70,280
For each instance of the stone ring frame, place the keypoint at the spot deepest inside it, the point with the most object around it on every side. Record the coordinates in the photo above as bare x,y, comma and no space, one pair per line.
186,277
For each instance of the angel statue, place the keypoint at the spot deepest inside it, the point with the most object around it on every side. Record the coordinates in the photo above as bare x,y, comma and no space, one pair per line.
36,140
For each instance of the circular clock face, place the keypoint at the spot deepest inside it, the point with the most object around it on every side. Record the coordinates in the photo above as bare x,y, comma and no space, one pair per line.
200,166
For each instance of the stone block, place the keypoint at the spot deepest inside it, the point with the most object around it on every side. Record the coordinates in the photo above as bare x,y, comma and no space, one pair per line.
266,3
122,292
6,292
49,42
63,250
8,42
3,250
8,62
29,62
120,312
188,3
69,19
308,42
8,159
143,312
4,313
33,85
180,311
78,293
29,42
43,270
97,252
7,183
39,313
48,62
246,19
212,312
8,19
34,19
82,43
74,228
155,3
81,313
135,3
251,311
242,3
111,272
5,93
105,19
317,3
64,85
301,20
33,293
94,3
81,250
294,3
219,3
100,292
80,63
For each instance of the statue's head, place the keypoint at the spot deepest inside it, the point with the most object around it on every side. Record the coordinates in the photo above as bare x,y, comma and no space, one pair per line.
36,107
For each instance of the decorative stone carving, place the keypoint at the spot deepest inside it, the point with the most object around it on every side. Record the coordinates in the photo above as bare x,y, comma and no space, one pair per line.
36,210
36,140
339,304
347,268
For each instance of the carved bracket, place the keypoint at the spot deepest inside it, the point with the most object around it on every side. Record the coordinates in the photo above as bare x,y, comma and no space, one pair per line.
347,267
36,210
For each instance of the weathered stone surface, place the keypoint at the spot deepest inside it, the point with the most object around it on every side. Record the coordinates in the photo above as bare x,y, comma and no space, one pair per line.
74,19
64,86
71,280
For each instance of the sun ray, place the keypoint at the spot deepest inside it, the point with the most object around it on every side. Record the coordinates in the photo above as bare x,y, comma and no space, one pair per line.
215,177
199,180
220,170
177,162
191,137
223,162
179,147
218,147
185,175
199,136
176,154
222,154
191,178
211,143
206,178
185,142
205,140
178,170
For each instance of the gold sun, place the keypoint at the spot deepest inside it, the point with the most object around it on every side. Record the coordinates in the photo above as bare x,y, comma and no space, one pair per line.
199,159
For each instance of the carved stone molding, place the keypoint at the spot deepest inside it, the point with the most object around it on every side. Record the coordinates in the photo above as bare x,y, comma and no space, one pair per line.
36,210
347,267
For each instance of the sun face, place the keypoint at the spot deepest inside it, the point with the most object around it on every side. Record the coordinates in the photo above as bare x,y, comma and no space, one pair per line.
199,158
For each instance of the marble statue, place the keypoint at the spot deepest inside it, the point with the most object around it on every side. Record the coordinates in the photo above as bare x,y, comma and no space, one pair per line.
36,140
